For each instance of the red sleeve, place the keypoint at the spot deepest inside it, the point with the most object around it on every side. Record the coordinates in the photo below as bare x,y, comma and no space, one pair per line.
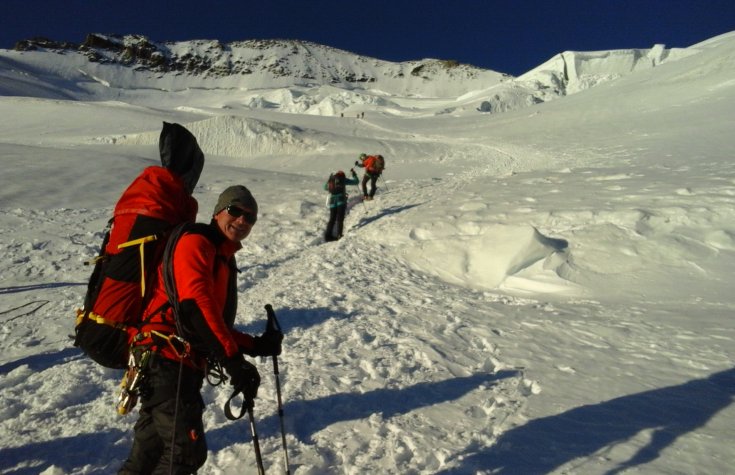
194,271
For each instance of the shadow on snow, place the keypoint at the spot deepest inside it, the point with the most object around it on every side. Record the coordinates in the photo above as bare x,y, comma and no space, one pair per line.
542,445
67,453
27,288
43,361
383,213
290,318
305,418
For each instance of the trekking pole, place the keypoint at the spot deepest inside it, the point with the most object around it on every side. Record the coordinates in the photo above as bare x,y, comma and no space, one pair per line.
384,184
364,206
247,406
359,190
256,442
273,325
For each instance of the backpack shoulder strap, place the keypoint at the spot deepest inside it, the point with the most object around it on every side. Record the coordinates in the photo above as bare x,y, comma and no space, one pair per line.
205,230
169,282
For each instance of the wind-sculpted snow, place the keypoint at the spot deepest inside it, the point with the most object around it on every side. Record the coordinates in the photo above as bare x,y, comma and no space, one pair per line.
478,256
574,71
241,137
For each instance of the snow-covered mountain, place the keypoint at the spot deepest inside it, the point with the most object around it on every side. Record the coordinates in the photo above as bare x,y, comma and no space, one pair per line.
546,290
315,79
136,61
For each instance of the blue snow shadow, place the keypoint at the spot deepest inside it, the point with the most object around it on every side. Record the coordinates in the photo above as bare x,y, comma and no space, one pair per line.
542,445
70,454
43,361
383,213
305,418
29,288
73,453
290,318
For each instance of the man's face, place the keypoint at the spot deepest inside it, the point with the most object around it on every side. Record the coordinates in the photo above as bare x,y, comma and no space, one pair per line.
235,222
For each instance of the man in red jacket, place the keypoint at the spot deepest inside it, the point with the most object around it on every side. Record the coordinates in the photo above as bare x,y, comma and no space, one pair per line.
189,328
373,165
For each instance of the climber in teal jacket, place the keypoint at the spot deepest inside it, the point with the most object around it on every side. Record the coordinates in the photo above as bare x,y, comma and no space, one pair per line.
336,185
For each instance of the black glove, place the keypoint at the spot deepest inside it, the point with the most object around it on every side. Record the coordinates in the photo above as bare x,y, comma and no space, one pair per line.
243,376
268,344
357,163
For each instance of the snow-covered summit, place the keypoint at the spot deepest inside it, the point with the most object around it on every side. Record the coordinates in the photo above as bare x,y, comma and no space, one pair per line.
259,63
326,80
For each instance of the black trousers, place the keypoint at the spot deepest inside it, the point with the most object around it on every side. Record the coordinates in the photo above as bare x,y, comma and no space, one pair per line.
373,179
169,434
336,223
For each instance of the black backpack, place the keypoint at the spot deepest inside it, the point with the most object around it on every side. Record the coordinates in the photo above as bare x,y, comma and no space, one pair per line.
336,183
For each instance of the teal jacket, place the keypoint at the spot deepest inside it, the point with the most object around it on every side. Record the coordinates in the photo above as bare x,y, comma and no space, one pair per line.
340,199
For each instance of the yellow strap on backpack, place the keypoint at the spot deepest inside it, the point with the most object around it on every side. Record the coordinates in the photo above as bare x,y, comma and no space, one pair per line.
140,242
81,315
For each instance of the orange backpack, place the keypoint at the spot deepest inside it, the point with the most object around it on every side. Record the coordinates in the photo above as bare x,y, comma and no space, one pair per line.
375,164
119,287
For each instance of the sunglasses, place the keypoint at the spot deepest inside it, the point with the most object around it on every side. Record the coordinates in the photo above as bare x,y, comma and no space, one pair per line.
236,212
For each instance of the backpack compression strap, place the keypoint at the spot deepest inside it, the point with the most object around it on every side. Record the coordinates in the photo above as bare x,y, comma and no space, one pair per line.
81,315
140,242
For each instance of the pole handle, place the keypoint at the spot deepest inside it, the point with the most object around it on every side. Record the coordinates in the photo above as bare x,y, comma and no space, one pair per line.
272,320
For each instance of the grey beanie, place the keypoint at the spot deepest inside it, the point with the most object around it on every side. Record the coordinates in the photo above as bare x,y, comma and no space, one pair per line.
237,194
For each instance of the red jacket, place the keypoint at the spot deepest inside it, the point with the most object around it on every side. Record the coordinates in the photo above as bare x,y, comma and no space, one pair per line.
205,274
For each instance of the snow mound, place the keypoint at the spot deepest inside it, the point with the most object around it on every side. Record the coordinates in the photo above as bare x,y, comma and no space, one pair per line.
479,256
239,137
323,100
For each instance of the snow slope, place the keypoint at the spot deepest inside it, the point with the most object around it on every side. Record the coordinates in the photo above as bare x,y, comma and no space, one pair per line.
545,290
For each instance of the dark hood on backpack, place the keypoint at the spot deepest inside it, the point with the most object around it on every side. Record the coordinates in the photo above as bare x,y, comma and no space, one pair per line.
181,154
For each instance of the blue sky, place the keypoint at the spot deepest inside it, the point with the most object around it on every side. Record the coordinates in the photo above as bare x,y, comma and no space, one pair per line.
510,36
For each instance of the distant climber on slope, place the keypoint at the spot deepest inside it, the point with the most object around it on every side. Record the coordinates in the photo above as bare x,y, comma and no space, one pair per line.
374,166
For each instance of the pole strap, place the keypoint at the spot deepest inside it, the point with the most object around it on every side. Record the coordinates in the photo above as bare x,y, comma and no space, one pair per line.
246,406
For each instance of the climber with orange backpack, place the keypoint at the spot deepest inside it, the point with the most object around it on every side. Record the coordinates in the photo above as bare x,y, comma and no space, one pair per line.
161,303
374,166
188,333
155,202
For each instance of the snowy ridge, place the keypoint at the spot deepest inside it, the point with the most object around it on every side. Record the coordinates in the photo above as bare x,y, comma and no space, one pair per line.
543,290
123,67
571,72
255,64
